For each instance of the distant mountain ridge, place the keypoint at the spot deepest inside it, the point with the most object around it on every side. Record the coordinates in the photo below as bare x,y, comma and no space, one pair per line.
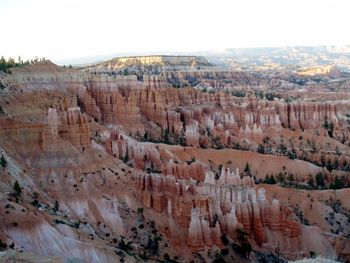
153,64
305,56
329,70
165,60
282,57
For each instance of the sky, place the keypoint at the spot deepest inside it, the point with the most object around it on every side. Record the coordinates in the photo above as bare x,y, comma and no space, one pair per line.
67,29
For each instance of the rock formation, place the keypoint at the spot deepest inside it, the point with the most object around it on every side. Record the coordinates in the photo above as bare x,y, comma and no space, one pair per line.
50,134
230,199
71,125
163,141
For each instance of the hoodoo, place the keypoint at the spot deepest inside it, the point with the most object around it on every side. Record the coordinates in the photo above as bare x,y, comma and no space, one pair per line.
172,158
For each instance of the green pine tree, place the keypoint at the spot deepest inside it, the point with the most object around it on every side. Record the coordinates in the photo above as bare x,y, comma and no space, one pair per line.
17,189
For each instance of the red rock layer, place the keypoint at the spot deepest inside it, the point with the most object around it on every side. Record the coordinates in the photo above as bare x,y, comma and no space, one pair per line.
71,125
126,148
212,207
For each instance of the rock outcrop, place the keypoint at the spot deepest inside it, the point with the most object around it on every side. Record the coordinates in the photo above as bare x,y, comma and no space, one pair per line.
71,125
138,139
212,207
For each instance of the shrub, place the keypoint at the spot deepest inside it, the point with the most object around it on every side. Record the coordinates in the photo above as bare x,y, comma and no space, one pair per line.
36,203
311,182
166,256
242,236
219,258
224,240
337,184
269,180
126,246
126,158
17,189
56,206
247,169
77,224
261,149
238,93
140,211
153,245
224,251
312,254
191,161
3,245
165,136
245,247
3,162
320,180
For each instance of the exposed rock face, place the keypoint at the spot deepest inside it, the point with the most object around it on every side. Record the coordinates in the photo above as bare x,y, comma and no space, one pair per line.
201,119
15,256
148,64
75,127
219,205
329,70
68,144
72,125
308,115
50,134
194,170
126,148
195,230
192,134
116,109
88,104
232,222
189,60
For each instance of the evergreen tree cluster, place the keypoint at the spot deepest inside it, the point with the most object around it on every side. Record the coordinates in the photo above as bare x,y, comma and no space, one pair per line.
6,64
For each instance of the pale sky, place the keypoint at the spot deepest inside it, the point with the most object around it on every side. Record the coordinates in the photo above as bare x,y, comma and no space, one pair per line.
61,29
